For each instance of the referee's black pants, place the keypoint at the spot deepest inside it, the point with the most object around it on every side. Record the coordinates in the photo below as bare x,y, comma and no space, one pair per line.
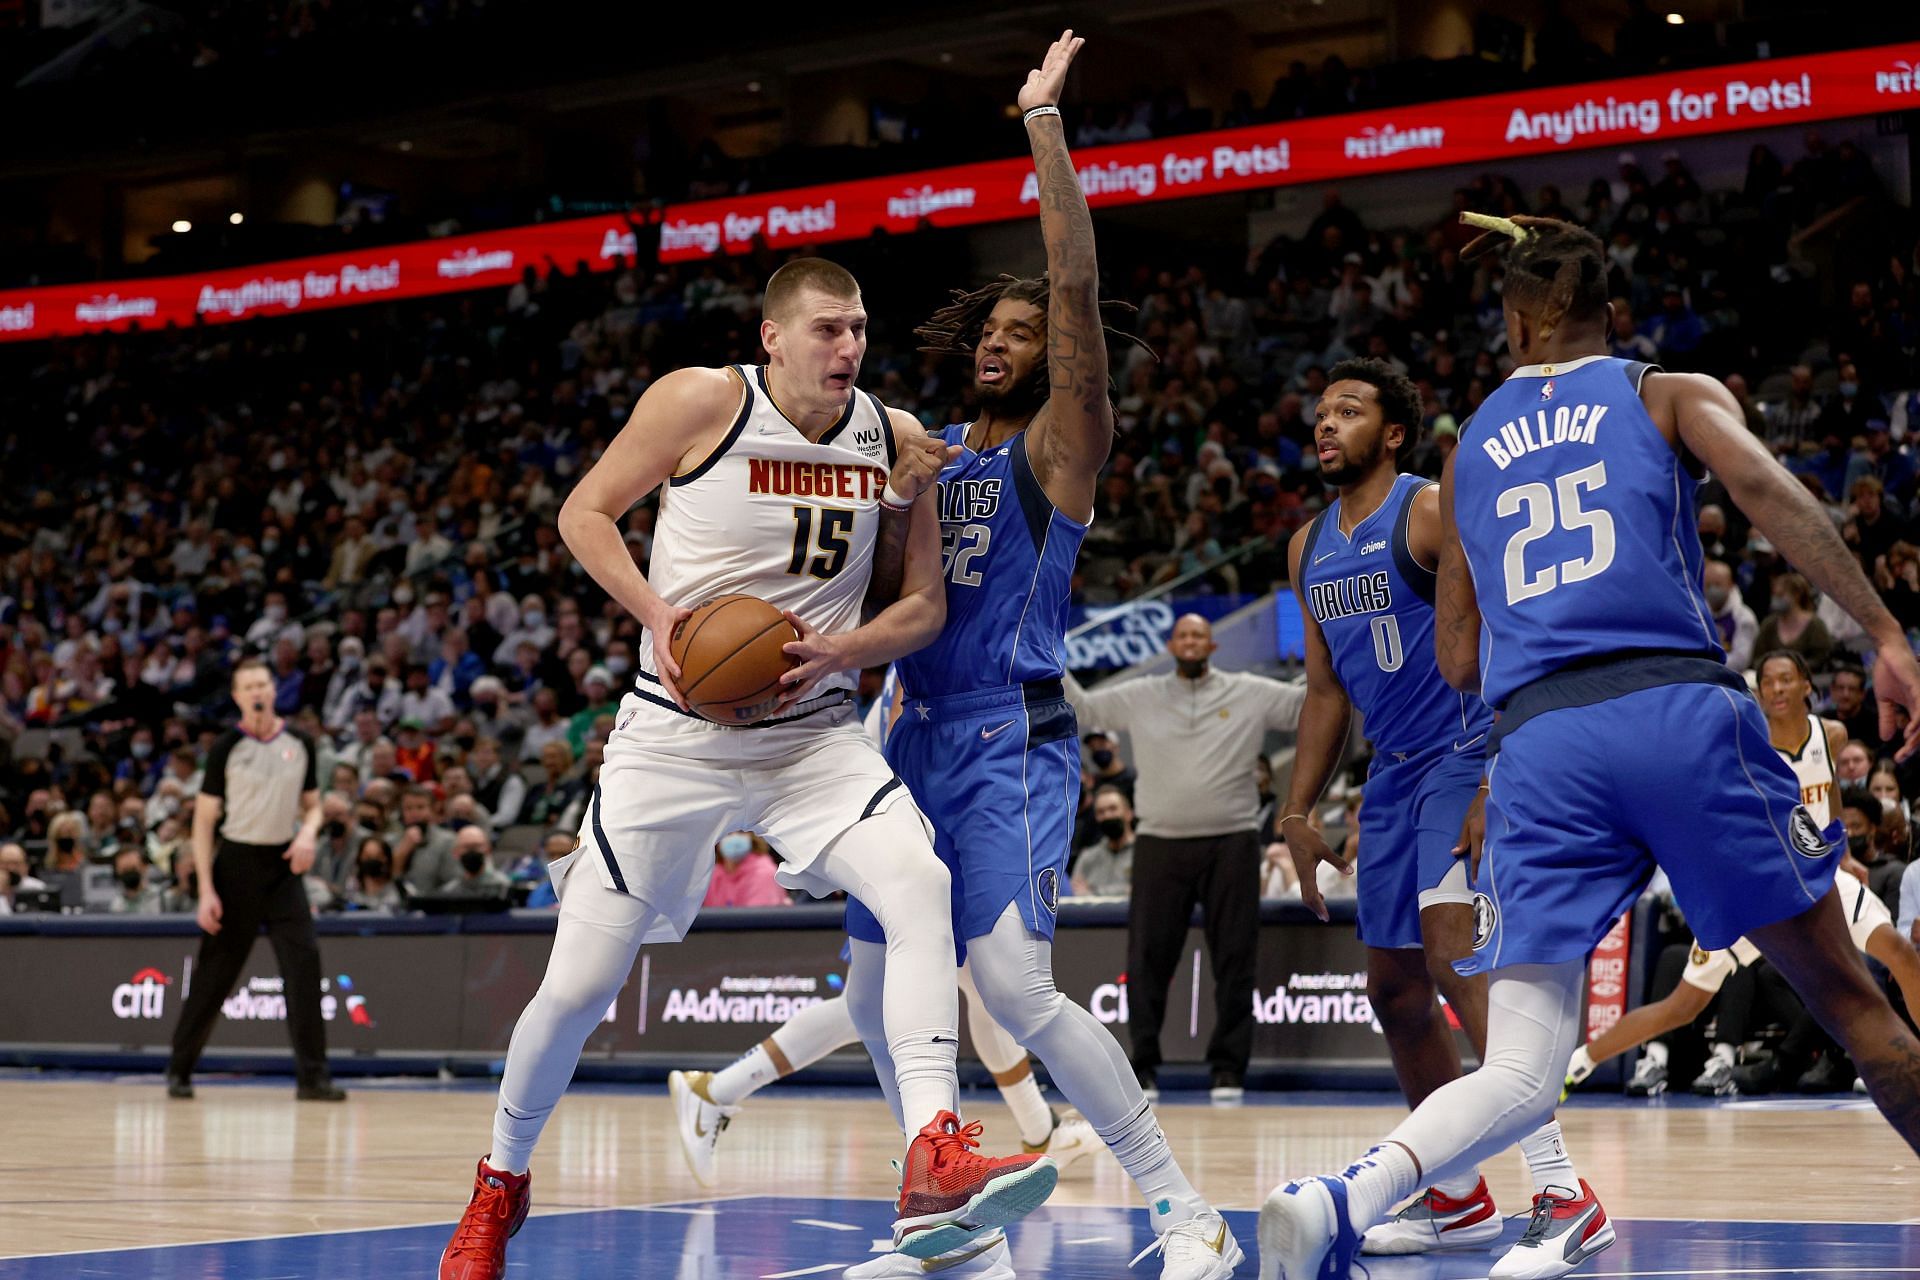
1222,874
257,887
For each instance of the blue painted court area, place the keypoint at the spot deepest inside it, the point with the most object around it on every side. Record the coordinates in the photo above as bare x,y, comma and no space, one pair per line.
767,1237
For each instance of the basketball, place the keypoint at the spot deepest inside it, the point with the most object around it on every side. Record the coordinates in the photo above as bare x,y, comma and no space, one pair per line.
730,658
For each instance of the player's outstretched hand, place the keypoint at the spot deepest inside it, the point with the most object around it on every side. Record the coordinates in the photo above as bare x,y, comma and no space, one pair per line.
1896,683
1044,83
663,621
920,462
1309,849
819,657
1473,834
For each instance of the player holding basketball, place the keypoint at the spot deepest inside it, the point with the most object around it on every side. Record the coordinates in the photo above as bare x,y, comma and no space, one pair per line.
774,478
1364,572
1568,513
1808,744
986,740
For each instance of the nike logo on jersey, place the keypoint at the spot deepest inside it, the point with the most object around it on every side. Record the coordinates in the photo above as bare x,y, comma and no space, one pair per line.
1330,555
988,735
1378,544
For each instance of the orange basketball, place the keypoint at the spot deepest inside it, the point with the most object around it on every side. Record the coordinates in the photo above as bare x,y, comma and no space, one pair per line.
730,658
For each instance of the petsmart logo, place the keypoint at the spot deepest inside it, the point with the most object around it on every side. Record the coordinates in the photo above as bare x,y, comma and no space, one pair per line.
473,263
1377,144
1324,998
142,996
1902,79
929,200
98,310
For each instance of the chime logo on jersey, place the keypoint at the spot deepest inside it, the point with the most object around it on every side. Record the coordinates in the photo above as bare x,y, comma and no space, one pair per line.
1805,835
1486,918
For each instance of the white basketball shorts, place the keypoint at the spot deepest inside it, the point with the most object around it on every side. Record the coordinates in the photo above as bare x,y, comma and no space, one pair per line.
1708,970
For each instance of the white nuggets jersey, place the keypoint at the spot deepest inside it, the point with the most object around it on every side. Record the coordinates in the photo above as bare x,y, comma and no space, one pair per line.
1814,767
772,514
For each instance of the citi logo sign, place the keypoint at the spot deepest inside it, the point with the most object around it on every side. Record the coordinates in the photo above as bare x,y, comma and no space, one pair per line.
143,996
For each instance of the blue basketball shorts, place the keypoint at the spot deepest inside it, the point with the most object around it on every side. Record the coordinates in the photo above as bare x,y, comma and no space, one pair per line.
1587,799
1410,816
997,773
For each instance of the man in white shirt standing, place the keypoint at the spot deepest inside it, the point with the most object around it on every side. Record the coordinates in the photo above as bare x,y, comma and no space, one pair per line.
1195,732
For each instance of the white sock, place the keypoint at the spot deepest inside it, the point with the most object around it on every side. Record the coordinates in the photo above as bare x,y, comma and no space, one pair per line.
740,1081
1460,1186
1723,1053
1377,1181
1581,1065
1143,1151
1656,1050
1547,1160
1031,1113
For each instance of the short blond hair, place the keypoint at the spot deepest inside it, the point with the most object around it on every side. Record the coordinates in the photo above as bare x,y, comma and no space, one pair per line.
787,284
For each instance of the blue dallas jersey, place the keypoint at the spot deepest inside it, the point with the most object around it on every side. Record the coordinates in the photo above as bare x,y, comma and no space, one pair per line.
1578,522
1374,604
1007,557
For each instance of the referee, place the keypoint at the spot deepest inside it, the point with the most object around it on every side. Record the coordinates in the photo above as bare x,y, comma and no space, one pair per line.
261,794
1195,733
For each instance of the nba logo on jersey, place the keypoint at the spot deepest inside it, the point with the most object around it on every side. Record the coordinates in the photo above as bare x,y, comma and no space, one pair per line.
1546,389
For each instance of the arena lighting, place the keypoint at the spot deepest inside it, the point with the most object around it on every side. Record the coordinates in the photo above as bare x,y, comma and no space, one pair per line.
753,86
1674,20
236,218
181,226
405,145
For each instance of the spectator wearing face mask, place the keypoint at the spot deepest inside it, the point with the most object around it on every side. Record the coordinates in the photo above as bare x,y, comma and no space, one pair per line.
137,895
743,875
1104,869
497,785
1109,768
1737,625
338,848
1853,709
1862,816
373,887
598,687
14,877
473,850
1792,623
376,691
141,767
66,856
495,715
423,854
547,726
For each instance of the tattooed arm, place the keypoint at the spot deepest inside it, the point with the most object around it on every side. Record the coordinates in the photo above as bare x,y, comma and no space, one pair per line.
1703,417
1456,614
1071,437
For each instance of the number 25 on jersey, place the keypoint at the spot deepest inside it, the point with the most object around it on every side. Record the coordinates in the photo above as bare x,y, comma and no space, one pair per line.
1556,509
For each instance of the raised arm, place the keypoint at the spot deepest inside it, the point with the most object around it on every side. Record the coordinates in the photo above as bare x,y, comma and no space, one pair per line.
1072,435
1707,421
1456,620
685,413
1324,718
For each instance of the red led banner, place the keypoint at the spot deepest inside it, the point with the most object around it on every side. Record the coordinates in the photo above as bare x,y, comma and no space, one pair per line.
1717,100
1860,82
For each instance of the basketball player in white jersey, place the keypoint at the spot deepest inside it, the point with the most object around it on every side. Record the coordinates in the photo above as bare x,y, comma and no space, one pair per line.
1808,744
774,478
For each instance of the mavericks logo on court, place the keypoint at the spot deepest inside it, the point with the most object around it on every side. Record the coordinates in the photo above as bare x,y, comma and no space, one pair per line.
1486,918
1048,883
1805,835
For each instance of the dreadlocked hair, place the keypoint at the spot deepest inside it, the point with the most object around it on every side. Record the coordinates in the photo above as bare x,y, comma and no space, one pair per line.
1555,269
954,330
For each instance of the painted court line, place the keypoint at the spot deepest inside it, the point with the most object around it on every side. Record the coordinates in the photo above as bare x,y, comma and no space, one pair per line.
830,1226
804,1271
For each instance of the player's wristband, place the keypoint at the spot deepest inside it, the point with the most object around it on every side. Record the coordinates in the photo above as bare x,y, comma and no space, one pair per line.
1285,817
893,501
1034,114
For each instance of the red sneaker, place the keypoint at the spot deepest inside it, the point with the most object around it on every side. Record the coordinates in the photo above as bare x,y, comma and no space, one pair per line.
949,1196
478,1250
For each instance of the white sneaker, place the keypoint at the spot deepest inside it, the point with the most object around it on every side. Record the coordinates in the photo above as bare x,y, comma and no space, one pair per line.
1437,1221
1563,1232
1201,1248
698,1120
984,1259
1716,1081
1070,1143
1305,1231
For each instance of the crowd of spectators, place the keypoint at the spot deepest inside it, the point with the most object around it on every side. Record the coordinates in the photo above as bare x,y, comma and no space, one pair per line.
367,497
